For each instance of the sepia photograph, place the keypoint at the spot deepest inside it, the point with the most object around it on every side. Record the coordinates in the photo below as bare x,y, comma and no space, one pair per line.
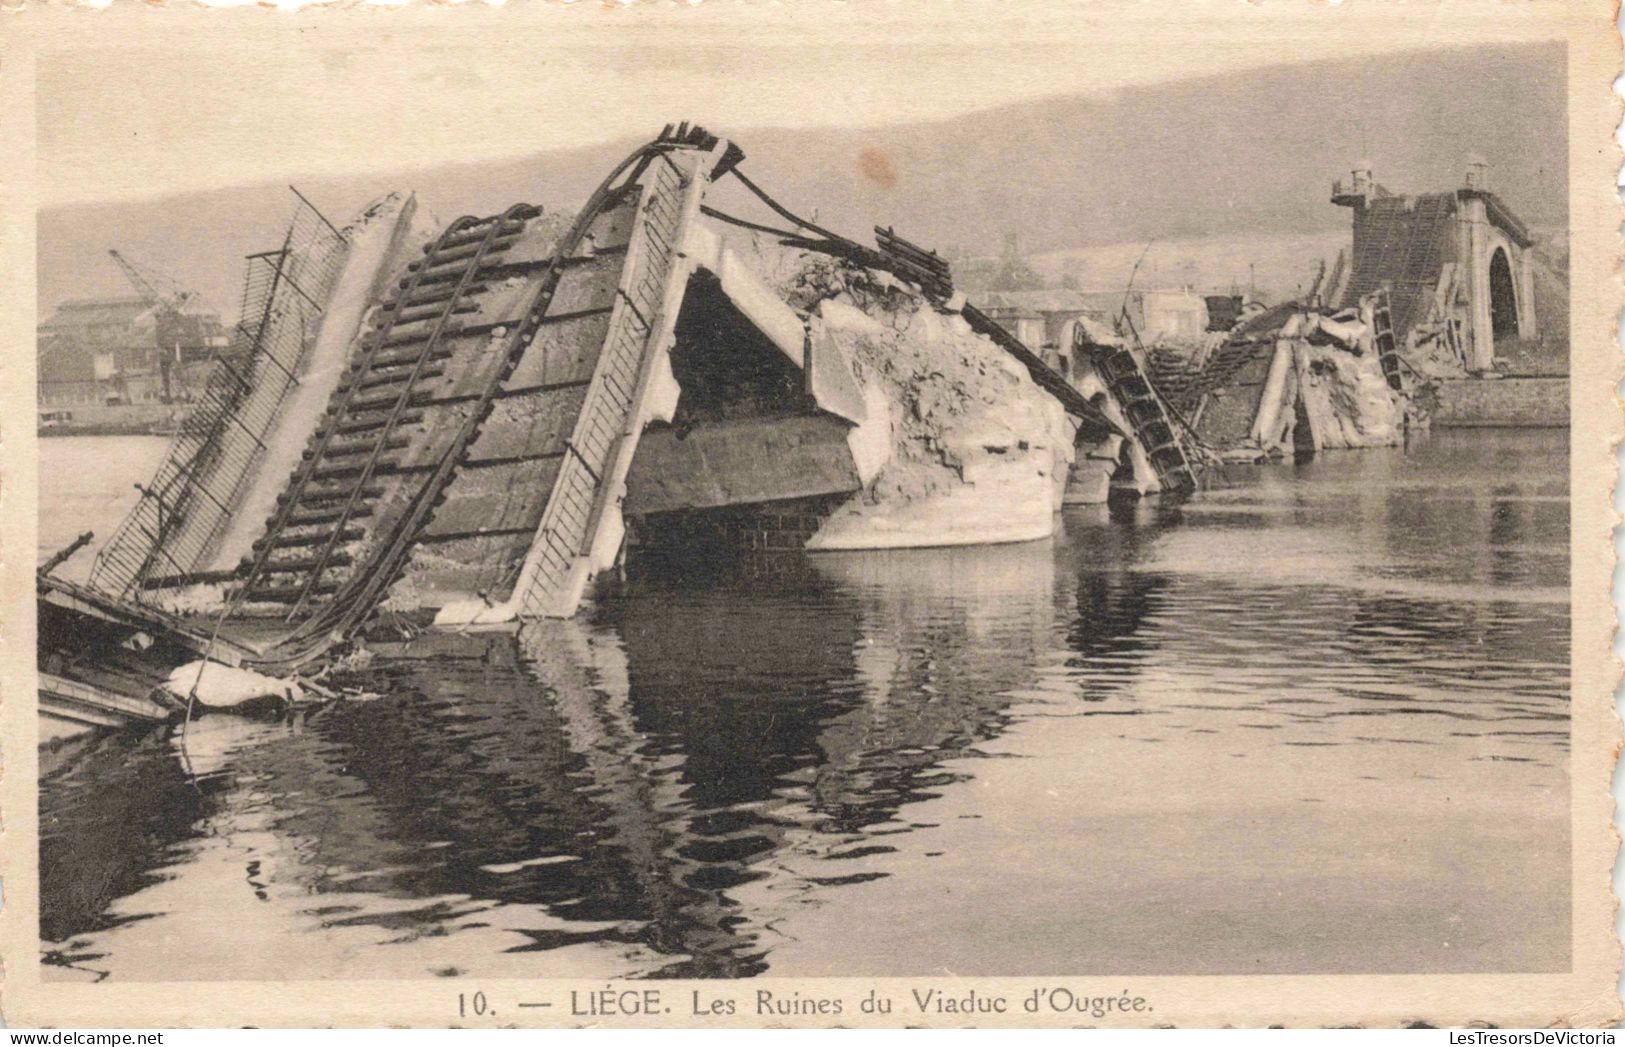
1057,514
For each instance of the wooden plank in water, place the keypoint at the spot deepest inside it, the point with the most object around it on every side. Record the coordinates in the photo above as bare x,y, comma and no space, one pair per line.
194,635
83,703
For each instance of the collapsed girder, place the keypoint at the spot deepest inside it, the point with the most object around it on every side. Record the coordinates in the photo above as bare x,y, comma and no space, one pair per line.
473,455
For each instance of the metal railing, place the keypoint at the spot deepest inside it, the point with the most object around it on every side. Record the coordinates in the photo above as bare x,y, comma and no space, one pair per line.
567,528
170,532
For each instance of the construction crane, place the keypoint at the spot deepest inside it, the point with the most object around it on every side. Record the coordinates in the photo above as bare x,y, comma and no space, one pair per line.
155,287
179,336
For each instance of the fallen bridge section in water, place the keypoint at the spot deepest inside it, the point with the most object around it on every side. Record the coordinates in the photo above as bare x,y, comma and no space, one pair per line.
471,405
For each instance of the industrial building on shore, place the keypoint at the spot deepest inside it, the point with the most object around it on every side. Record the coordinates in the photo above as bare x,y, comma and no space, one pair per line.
109,362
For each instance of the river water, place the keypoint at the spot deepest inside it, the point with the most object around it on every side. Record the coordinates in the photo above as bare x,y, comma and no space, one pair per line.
1314,721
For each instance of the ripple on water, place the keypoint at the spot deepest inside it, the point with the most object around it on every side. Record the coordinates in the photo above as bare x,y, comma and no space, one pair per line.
1339,691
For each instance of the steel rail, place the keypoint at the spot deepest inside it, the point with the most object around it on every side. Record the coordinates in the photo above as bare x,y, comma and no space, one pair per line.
404,397
350,608
330,427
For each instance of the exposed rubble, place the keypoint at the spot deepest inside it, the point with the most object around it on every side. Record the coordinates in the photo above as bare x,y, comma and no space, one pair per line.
975,451
1295,378
1345,397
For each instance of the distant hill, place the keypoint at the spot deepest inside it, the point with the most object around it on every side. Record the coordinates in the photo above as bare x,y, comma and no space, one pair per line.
1250,154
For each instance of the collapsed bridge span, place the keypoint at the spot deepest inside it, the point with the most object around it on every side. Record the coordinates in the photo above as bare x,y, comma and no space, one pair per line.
457,435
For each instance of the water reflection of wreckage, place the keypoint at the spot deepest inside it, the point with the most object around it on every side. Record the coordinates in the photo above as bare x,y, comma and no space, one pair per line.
677,820
466,426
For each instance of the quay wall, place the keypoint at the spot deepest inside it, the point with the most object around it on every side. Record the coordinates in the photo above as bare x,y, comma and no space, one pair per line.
119,420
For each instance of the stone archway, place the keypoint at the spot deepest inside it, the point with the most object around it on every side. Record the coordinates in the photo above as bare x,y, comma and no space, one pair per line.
1503,296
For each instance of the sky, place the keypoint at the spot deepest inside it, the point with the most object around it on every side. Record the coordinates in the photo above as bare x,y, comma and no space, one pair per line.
252,96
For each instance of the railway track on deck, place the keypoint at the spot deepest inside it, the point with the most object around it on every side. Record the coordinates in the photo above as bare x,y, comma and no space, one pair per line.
413,423
367,432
